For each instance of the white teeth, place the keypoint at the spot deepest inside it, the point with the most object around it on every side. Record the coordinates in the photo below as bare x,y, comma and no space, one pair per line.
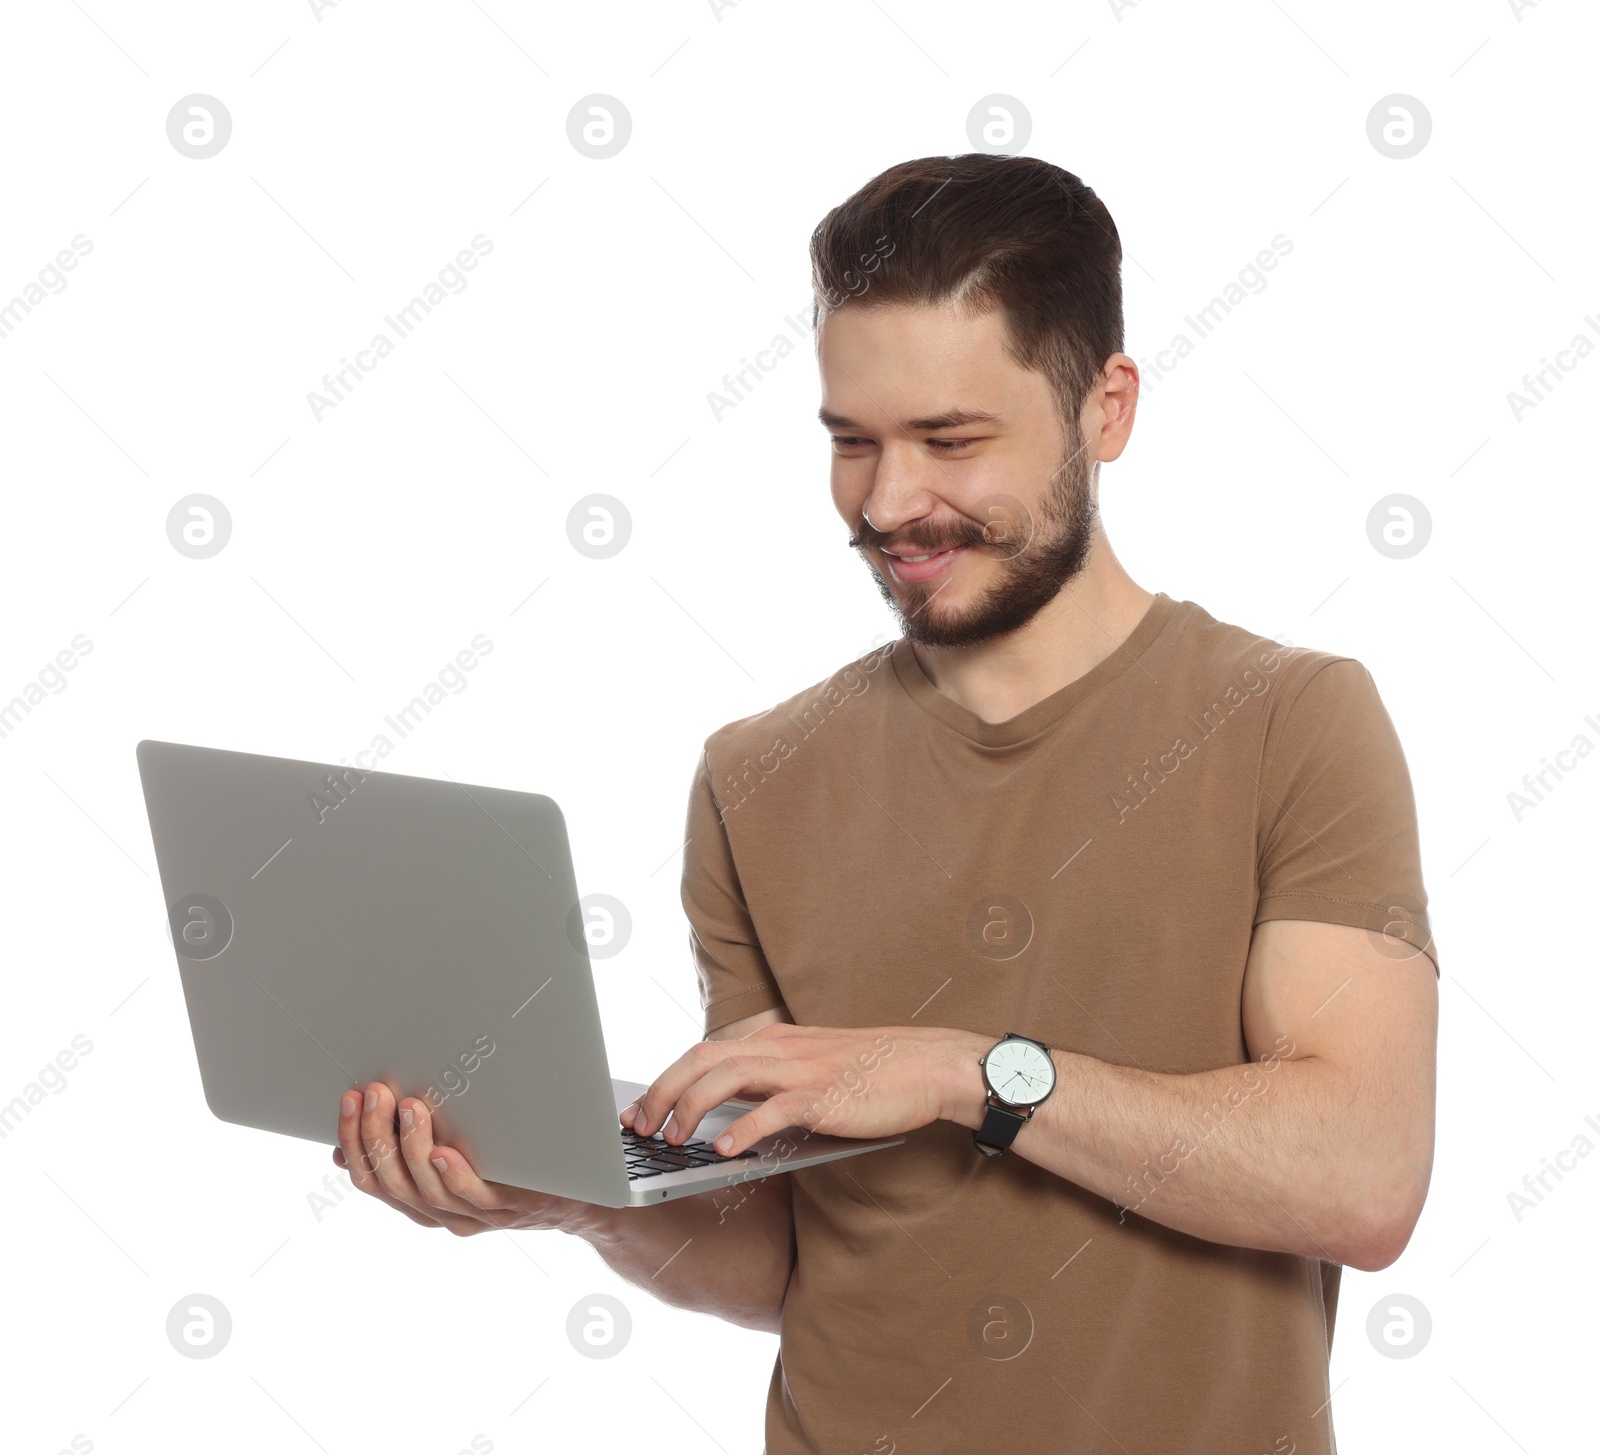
918,558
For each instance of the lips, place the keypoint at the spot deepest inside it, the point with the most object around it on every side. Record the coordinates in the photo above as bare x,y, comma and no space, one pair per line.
911,572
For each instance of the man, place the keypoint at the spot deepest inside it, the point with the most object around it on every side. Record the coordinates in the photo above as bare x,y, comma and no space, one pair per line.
1114,911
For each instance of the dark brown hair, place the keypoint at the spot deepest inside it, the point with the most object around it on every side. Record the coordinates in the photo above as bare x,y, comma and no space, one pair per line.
985,231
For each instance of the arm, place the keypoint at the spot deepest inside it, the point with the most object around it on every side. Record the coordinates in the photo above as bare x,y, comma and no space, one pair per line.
1322,1147
696,1252
729,1258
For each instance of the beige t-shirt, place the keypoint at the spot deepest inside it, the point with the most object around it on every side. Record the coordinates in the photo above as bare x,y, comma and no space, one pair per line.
1088,874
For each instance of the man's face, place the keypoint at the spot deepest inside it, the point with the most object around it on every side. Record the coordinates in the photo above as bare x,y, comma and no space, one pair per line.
952,449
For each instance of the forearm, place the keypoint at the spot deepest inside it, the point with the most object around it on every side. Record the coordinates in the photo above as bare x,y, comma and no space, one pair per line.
728,1253
1276,1155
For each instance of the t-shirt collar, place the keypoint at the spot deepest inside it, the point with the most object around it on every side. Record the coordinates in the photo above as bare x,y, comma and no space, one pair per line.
1045,713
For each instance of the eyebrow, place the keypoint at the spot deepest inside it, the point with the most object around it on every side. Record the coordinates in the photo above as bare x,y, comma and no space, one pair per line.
949,419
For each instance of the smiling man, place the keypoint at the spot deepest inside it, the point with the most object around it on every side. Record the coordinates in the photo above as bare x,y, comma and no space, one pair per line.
1113,910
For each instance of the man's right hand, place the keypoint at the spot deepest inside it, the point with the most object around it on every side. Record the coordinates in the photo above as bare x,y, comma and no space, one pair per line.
738,1267
433,1185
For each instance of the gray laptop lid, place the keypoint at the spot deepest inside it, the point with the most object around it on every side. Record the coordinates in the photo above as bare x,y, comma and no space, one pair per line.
335,927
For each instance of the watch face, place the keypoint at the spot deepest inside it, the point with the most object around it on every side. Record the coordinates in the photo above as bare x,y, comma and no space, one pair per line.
1019,1072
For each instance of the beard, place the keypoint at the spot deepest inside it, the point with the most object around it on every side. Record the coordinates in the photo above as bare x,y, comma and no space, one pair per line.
1038,556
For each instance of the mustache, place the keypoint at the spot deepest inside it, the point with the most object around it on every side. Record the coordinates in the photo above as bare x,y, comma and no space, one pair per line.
917,542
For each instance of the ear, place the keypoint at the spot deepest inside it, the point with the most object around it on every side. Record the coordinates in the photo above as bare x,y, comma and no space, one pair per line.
1110,408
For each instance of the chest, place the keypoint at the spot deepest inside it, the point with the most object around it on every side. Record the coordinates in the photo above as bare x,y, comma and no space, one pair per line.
1100,900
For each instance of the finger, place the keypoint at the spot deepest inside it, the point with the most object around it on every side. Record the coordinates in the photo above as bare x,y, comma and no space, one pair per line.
787,1109
502,1205
733,1077
663,1093
416,1145
351,1147
463,1183
461,1220
366,1164
651,1109
382,1149
351,1154
372,1189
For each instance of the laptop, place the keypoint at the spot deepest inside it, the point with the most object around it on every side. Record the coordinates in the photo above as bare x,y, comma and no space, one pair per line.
335,925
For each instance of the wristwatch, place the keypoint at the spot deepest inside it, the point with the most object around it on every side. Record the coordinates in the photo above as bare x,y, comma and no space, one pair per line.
1019,1074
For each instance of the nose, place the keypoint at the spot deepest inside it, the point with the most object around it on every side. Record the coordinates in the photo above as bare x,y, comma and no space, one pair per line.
898,492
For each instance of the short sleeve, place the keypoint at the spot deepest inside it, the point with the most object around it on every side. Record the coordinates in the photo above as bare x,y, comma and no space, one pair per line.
735,979
1336,818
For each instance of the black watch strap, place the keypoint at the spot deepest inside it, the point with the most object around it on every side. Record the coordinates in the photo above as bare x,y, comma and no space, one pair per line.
999,1130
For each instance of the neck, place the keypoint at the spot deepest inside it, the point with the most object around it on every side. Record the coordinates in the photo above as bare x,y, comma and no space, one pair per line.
1090,618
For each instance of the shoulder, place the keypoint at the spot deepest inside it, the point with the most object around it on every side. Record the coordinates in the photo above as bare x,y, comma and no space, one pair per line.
1318,717
1224,660
842,696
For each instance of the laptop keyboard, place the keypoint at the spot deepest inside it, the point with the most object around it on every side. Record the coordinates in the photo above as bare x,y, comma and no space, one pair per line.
650,1156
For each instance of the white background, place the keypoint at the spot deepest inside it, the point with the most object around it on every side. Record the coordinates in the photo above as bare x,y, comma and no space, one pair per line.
369,145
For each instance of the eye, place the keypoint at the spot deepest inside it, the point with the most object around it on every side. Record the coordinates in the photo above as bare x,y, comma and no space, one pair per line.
941,447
